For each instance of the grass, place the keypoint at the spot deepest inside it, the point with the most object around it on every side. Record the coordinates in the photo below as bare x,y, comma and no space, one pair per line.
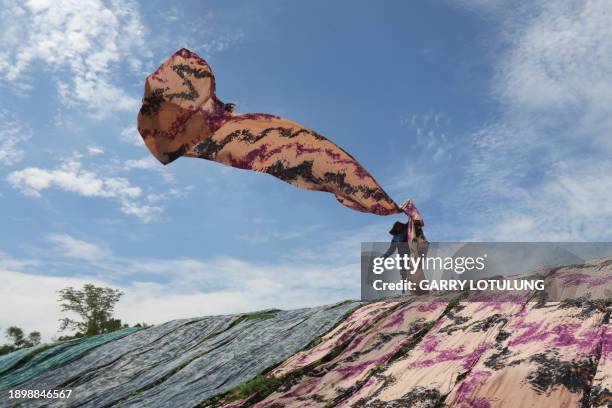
261,315
262,386
255,389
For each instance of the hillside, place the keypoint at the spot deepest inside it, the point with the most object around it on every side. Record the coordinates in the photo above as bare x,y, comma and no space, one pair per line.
176,364
535,349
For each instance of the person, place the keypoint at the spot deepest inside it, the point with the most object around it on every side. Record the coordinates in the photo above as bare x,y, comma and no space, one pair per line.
399,243
418,247
409,238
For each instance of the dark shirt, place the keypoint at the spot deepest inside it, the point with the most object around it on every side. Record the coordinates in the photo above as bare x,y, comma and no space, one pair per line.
398,242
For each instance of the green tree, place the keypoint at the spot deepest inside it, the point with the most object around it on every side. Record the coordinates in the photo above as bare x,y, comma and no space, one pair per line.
94,305
6,348
15,334
34,338
19,340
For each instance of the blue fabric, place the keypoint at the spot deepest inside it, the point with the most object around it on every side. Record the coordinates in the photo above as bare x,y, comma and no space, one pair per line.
44,357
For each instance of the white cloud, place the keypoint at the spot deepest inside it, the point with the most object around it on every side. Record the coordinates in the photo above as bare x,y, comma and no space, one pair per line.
426,141
95,150
572,205
157,290
131,136
221,43
144,212
171,193
81,43
72,177
8,262
34,306
541,170
264,231
561,58
33,301
12,134
75,248
149,163
146,163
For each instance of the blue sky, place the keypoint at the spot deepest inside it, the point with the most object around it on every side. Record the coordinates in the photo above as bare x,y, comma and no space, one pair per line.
492,116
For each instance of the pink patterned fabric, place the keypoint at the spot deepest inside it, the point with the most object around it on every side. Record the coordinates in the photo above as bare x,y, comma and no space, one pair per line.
182,116
489,350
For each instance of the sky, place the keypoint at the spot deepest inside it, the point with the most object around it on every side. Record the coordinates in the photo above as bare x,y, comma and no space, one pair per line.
492,115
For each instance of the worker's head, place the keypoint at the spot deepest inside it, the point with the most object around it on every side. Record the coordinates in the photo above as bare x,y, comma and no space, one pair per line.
398,228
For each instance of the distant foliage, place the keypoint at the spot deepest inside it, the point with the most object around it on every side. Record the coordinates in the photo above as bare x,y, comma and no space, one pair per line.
18,340
94,305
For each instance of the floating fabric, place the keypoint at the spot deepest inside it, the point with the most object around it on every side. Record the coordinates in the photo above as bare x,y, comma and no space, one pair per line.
182,116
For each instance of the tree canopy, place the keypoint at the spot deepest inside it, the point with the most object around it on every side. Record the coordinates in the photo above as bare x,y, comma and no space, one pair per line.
19,340
94,305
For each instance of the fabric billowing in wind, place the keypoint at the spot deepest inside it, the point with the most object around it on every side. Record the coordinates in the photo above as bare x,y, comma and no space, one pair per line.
182,116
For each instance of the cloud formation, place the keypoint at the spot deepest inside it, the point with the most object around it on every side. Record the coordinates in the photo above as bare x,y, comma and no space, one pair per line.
71,177
81,43
76,248
157,290
12,133
542,166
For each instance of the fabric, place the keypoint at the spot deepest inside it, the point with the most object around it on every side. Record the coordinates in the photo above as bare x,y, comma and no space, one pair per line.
373,346
37,361
487,350
175,364
181,116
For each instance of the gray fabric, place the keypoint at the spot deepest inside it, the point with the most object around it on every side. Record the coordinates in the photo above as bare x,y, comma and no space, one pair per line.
181,363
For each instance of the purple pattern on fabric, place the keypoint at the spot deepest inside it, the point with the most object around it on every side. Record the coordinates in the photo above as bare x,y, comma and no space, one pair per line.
410,210
429,343
533,332
563,335
185,53
156,75
253,116
300,149
469,385
475,355
585,344
359,170
576,279
218,117
312,385
451,354
356,342
431,306
396,319
355,369
379,209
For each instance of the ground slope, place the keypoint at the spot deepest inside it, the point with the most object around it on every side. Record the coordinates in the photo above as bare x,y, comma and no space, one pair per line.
529,348
176,364
522,349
